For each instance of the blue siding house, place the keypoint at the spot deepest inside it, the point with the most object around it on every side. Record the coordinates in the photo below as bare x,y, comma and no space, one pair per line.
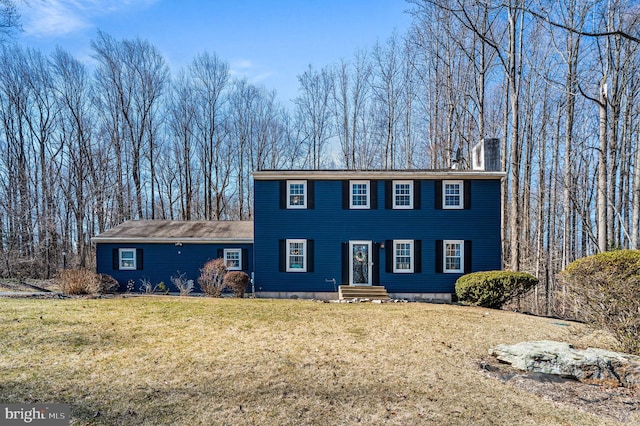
412,232
156,250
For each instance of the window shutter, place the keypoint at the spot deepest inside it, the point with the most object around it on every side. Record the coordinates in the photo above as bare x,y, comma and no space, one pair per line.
345,194
283,194
282,255
416,195
345,263
310,254
438,194
310,194
375,258
439,258
467,256
417,256
467,194
115,259
245,259
388,195
139,258
220,254
388,256
373,200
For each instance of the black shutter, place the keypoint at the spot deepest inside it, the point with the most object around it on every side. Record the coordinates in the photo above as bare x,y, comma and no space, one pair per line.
220,254
345,194
245,259
282,255
439,255
373,187
417,256
375,258
467,194
345,263
283,194
438,194
388,195
310,255
416,195
388,255
310,194
115,259
467,256
139,259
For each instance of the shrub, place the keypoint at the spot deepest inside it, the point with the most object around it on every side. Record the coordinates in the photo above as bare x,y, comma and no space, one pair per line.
148,288
78,281
184,285
493,289
108,284
237,281
605,291
211,278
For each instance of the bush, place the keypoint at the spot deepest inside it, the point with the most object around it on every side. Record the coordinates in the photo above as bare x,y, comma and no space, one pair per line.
108,284
605,291
237,281
147,287
184,285
78,281
211,278
493,289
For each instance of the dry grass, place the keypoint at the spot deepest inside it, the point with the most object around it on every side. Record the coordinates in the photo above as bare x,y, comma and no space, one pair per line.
162,360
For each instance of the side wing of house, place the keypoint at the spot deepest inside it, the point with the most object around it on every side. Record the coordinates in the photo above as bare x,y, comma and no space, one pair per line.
414,234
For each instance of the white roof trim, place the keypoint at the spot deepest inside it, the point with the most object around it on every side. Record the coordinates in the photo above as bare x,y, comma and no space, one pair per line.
173,240
375,174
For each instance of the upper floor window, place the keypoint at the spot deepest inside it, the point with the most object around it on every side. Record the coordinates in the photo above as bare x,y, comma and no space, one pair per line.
453,194
127,259
403,256
296,194
453,256
403,194
296,260
233,259
359,191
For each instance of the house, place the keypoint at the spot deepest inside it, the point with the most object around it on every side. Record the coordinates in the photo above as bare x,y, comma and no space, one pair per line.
334,233
156,250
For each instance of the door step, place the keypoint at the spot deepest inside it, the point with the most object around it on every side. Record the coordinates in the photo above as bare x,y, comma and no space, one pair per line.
362,292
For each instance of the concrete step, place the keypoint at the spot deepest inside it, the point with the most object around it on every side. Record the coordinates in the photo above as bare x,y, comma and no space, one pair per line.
362,292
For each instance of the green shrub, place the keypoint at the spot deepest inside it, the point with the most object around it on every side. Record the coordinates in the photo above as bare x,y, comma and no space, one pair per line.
237,281
493,289
211,278
78,281
605,291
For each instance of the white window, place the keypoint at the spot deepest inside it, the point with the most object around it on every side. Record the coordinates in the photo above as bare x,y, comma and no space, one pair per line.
296,194
402,194
233,259
296,255
359,194
453,256
452,194
127,259
403,256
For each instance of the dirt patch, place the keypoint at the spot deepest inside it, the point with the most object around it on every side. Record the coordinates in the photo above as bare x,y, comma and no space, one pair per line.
621,404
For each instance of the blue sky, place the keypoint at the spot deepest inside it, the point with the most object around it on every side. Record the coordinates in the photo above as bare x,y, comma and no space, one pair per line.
269,42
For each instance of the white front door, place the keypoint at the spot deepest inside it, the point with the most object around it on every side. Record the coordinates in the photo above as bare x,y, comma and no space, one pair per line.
360,262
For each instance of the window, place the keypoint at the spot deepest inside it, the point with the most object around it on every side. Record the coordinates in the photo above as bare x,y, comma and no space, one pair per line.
296,255
127,259
453,256
453,194
403,256
233,259
296,194
402,194
359,194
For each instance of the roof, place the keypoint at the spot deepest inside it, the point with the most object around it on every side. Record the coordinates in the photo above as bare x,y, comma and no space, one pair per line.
376,174
182,231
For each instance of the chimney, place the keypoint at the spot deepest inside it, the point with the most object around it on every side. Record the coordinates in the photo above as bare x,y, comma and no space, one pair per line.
486,155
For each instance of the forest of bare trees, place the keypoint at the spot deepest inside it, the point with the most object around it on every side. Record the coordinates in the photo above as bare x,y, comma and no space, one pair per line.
85,146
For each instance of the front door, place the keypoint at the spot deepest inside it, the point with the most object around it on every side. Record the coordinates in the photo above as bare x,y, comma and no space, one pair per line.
360,263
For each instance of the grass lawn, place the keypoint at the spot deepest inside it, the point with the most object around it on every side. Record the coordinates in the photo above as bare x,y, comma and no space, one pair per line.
189,361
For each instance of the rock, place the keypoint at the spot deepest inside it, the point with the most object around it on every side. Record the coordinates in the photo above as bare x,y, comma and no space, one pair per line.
589,365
